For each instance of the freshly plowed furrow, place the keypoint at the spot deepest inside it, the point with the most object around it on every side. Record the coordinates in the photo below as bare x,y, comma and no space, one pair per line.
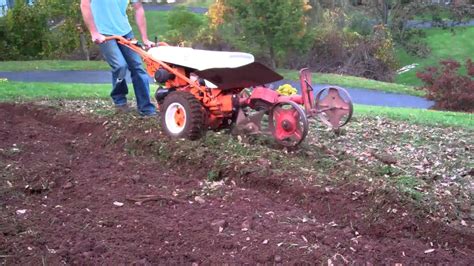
75,215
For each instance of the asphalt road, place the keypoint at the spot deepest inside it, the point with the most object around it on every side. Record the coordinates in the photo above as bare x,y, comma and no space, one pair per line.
358,95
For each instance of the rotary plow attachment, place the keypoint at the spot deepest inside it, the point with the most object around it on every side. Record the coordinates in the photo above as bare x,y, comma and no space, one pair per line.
286,117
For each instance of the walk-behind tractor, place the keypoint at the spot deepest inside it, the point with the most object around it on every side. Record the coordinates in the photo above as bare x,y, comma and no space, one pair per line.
207,90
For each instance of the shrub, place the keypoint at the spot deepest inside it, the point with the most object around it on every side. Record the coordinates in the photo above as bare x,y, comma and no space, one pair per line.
69,32
449,89
417,48
271,29
349,53
184,26
45,29
26,32
361,24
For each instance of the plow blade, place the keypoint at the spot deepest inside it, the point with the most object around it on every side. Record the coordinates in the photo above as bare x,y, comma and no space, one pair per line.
334,106
248,124
251,75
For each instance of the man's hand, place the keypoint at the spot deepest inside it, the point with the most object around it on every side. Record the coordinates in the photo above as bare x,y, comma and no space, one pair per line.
98,38
89,20
148,44
141,23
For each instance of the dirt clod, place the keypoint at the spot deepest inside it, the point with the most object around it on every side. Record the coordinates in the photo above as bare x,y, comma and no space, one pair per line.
68,185
219,225
247,224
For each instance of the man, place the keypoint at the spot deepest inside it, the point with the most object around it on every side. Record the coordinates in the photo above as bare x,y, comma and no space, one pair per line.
109,17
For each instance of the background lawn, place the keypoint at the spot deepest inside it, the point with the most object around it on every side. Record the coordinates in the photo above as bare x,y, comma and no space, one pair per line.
198,3
157,25
53,65
418,116
456,43
29,91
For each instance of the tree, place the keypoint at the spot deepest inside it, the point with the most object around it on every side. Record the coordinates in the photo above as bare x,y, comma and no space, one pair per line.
382,9
184,25
408,10
275,27
10,3
43,29
68,22
26,32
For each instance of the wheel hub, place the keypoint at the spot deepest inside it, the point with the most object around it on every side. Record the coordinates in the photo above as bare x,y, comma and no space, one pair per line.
288,126
288,123
179,117
175,118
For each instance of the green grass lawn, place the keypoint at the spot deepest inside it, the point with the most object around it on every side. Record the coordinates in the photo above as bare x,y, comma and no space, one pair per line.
429,14
157,24
418,116
457,44
198,3
29,91
52,65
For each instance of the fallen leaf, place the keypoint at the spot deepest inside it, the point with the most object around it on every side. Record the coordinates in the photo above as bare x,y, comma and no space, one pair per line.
429,250
118,204
19,212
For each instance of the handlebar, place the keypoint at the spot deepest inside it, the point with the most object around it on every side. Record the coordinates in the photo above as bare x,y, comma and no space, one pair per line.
131,42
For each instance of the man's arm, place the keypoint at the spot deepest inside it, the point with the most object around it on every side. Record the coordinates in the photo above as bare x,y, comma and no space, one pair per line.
89,20
141,23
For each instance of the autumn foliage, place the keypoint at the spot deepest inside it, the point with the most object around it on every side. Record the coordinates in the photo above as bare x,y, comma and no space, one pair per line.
449,89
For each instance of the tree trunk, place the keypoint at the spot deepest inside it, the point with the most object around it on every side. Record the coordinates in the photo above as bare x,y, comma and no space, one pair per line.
272,58
84,48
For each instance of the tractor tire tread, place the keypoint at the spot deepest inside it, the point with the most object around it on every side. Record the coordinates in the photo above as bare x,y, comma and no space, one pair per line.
196,116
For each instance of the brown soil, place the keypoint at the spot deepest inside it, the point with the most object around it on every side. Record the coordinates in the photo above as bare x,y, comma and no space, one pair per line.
60,177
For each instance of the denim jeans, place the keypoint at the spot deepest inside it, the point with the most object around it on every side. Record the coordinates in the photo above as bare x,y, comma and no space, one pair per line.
121,58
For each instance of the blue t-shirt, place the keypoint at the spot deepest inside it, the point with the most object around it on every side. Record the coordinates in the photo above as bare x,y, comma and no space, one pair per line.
110,16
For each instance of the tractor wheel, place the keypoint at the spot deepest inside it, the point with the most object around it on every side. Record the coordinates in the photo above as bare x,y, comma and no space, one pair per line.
288,123
182,116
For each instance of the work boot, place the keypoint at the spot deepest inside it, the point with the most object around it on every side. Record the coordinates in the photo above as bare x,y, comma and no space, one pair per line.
148,115
122,109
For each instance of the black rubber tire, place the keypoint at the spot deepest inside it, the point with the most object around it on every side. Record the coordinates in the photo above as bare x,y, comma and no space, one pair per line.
194,123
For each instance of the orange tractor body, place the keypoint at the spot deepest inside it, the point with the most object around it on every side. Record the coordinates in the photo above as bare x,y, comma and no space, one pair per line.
203,90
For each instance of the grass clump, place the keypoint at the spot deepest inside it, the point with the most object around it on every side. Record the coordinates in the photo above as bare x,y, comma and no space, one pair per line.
408,185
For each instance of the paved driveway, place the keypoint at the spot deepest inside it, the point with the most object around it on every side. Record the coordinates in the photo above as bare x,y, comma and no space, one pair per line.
359,96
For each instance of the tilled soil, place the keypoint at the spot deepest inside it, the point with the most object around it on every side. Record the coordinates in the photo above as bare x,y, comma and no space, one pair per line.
67,195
